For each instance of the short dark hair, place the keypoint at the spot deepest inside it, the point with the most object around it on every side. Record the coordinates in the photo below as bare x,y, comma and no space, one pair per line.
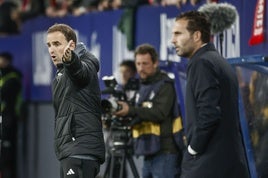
147,49
66,30
197,21
7,56
130,64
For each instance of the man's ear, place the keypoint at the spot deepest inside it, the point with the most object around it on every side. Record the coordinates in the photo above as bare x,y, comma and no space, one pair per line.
197,36
156,64
72,45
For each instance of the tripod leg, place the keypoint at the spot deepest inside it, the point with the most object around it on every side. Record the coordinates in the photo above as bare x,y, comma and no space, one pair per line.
112,166
132,166
106,172
123,165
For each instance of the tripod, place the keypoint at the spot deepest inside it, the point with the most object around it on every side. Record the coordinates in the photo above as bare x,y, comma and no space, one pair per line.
119,154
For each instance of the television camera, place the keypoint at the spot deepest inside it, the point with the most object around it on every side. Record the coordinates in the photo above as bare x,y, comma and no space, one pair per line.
118,93
119,140
109,105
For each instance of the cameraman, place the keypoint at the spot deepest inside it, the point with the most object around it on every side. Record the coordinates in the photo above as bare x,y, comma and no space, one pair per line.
128,88
127,70
154,109
10,100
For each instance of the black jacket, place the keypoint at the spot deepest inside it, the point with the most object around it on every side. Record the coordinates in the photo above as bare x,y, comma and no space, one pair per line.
212,119
76,99
11,88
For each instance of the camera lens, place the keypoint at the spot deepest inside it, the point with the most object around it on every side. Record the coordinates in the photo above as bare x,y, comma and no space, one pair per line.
110,105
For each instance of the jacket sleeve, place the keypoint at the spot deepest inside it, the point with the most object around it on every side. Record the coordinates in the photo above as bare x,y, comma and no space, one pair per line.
207,95
83,65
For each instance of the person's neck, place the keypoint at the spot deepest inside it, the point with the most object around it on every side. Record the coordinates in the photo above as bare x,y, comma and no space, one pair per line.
59,66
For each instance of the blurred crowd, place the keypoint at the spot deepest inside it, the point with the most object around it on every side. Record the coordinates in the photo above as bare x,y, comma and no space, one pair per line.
14,12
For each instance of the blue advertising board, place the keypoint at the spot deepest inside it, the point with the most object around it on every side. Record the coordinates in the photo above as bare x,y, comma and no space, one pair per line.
99,31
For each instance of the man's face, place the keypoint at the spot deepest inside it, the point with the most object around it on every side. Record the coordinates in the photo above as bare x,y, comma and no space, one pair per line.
145,66
125,73
56,42
3,62
182,40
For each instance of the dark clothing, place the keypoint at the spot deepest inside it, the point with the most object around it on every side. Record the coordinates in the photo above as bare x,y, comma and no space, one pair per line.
10,86
75,168
7,24
162,166
76,99
212,119
159,110
37,7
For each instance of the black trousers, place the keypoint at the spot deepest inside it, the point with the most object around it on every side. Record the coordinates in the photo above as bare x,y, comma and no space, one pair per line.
78,168
8,155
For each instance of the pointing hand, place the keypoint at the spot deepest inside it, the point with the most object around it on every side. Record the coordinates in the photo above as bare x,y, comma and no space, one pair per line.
67,52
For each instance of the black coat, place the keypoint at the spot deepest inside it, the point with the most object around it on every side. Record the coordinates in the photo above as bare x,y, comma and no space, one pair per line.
11,88
212,119
76,99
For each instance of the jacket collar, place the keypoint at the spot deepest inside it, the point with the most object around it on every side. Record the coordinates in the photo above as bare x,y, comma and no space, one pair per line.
207,47
155,77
